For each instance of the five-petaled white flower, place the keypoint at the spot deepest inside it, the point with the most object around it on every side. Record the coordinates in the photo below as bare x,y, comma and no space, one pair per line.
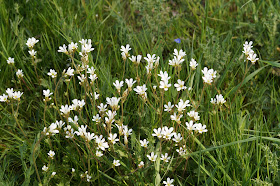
116,163
152,157
168,182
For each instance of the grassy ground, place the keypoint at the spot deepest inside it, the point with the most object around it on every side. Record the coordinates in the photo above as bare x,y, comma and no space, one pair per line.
241,146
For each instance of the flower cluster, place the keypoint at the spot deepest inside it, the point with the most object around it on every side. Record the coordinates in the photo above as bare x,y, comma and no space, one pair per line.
209,75
11,95
249,52
178,58
31,43
152,62
219,100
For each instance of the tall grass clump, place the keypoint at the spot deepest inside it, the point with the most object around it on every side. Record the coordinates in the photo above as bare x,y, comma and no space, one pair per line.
159,93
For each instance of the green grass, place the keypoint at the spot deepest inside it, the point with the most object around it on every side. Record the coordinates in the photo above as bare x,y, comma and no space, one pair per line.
241,146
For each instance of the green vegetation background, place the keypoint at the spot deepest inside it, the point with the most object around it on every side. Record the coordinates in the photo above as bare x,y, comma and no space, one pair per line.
243,146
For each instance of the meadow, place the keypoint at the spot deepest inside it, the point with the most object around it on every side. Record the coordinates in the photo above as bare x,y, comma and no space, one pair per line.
139,92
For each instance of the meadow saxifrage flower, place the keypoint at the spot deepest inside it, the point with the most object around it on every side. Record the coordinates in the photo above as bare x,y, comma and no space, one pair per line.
63,49
51,154
168,182
52,73
10,61
168,107
19,73
45,168
152,157
144,143
116,163
180,85
31,42
165,157
193,64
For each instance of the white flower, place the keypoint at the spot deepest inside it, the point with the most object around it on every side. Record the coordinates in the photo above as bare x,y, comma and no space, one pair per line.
72,47
45,168
167,133
88,178
19,73
102,107
168,182
176,117
157,61
247,48
129,83
86,48
164,76
69,72
164,85
10,61
135,59
89,136
4,98
17,95
47,93
110,118
150,58
144,143
165,157
182,151
157,133
113,138
190,125
59,124
213,101
177,137
182,105
253,58
51,130
91,70
116,163
31,42
32,53
209,75
51,154
193,64
220,99
65,110
118,84
96,118
113,102
69,132
126,130
200,128
141,164
141,90
98,153
208,79
81,131
176,61
125,49
82,79
52,73
74,121
179,54
63,49
180,85
53,174
10,92
73,170
194,115
168,107
101,143
152,157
